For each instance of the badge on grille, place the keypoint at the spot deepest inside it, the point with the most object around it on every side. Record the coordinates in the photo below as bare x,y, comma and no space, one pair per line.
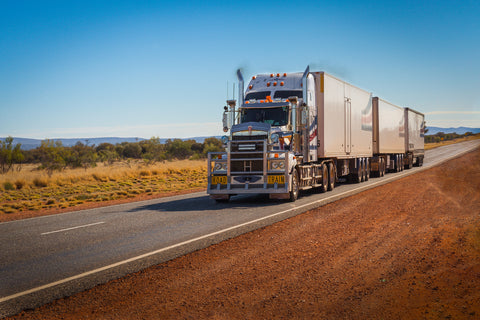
250,130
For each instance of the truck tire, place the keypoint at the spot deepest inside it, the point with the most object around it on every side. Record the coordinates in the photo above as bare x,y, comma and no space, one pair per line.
331,177
381,172
364,169
324,185
295,188
357,177
367,169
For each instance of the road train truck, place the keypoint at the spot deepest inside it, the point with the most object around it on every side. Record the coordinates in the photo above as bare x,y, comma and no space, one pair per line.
297,131
398,138
291,132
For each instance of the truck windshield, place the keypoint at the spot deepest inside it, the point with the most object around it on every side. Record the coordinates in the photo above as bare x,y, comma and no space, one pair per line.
285,94
272,116
257,95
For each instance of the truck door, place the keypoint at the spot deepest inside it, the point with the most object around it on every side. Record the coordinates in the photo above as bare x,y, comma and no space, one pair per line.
348,125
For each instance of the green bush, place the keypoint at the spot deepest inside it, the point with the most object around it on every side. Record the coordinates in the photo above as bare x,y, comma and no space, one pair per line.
8,186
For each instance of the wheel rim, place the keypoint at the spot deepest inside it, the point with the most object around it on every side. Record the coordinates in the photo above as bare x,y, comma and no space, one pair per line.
295,185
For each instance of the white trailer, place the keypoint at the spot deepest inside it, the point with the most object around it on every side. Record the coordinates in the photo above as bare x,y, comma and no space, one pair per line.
344,126
414,139
388,137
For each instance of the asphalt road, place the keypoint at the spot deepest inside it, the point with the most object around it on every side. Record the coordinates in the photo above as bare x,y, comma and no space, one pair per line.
45,258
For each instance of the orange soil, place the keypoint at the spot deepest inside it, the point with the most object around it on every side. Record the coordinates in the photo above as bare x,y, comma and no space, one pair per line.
406,250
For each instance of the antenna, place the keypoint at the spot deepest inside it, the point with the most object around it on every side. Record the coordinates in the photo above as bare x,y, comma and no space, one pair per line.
227,89
234,91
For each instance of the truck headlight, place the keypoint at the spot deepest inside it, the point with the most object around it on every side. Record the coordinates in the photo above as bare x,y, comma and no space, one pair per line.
274,137
224,139
220,166
278,165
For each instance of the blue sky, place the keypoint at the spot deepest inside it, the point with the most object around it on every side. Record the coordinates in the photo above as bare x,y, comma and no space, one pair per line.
80,69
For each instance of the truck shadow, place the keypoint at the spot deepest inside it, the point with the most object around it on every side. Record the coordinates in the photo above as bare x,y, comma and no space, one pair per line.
204,203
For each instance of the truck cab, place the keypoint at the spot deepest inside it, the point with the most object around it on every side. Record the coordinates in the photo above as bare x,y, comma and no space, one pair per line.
260,151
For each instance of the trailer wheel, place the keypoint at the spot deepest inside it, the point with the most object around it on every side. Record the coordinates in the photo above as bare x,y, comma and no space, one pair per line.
367,169
357,177
331,177
381,172
324,185
294,184
362,170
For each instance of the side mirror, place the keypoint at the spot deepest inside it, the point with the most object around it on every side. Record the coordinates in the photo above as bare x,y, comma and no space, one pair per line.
225,120
304,115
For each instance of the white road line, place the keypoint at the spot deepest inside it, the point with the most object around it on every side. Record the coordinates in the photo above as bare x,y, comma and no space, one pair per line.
81,275
72,228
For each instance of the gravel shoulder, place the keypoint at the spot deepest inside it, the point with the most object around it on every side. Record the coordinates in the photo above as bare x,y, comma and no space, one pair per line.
406,250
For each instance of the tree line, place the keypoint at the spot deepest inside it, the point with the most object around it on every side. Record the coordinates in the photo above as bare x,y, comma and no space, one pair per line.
51,155
441,136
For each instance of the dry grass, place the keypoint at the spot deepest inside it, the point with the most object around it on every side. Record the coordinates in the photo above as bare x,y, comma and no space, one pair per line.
30,189
432,145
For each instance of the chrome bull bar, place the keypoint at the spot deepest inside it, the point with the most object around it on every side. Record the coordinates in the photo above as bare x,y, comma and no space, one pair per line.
247,167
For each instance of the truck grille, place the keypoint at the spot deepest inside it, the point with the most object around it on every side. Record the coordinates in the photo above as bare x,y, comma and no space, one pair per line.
249,138
247,156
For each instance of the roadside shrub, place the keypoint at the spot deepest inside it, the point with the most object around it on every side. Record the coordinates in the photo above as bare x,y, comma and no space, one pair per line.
100,177
20,184
8,186
145,173
40,182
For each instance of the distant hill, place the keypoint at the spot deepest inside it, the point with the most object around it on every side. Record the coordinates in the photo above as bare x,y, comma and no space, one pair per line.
460,130
28,144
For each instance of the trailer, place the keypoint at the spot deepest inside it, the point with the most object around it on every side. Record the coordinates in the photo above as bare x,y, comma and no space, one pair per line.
388,137
415,138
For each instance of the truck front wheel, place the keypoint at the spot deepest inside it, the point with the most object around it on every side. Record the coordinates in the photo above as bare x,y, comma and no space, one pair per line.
294,186
331,177
324,186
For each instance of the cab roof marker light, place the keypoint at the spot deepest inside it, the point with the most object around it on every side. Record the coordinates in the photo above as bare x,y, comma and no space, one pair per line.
268,84
254,77
285,74
250,87
271,75
282,83
275,84
278,75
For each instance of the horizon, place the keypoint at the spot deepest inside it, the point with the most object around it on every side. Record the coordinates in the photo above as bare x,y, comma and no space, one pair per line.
142,69
187,138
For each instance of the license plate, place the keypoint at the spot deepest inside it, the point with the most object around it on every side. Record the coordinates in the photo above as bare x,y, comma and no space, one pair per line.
219,180
277,179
